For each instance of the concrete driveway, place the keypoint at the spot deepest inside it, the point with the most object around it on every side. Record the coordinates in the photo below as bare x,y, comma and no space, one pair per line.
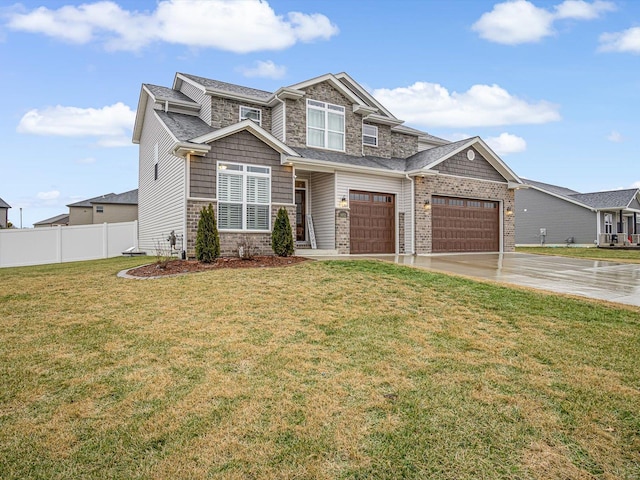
615,282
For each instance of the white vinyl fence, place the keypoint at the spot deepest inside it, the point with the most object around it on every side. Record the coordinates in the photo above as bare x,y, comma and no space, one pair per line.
38,246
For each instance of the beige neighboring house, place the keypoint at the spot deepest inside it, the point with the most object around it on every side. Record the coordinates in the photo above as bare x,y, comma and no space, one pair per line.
4,213
61,220
109,208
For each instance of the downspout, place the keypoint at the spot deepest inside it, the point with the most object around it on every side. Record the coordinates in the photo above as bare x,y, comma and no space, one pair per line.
187,194
166,106
413,213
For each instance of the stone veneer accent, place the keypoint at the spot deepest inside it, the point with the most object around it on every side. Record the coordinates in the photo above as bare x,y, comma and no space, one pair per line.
225,112
401,235
229,241
343,230
384,148
403,146
430,185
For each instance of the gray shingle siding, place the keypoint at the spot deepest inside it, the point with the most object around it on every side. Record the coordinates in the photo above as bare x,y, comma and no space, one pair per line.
562,219
461,166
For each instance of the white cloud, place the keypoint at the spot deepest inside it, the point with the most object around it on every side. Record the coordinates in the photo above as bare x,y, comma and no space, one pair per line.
431,105
266,69
111,124
627,41
615,137
635,184
507,143
520,21
236,26
52,195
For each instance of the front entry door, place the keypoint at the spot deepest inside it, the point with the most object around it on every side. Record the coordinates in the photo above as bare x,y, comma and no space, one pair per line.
301,210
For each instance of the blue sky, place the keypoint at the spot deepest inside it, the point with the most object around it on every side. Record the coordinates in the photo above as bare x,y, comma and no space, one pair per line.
552,86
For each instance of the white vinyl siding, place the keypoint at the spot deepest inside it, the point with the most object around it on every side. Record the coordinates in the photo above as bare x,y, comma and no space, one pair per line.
400,187
197,95
277,122
244,197
323,209
161,203
325,125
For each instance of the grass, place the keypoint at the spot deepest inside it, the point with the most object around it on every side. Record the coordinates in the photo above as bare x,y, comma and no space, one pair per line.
347,370
623,256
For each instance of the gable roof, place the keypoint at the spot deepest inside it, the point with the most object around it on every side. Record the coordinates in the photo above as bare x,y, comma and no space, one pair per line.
218,86
4,204
169,94
63,218
126,198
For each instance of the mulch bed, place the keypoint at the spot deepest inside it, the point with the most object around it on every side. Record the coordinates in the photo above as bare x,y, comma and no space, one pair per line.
175,267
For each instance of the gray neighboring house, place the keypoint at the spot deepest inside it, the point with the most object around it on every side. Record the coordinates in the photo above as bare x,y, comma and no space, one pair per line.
351,176
61,220
108,208
552,215
4,213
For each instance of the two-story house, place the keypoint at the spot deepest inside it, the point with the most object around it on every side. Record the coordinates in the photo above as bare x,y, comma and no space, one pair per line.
352,177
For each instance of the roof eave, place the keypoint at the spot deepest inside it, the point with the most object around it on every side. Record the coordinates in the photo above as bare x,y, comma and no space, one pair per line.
182,149
312,162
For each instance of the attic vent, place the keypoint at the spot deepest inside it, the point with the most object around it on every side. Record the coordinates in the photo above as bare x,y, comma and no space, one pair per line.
471,154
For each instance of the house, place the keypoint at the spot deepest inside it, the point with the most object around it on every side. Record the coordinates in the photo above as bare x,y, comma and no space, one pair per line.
109,208
351,176
61,220
4,213
553,215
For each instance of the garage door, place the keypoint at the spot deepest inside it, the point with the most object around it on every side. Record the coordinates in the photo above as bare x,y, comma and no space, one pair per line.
372,222
465,225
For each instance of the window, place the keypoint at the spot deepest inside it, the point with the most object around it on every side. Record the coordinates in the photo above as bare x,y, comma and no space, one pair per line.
244,197
251,113
608,223
369,135
155,171
155,159
325,125
99,209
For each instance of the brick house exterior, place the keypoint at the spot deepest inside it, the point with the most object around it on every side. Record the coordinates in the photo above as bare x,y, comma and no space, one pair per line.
352,178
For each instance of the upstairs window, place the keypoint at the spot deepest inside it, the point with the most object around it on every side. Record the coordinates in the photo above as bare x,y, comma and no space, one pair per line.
325,125
369,135
244,197
251,113
99,209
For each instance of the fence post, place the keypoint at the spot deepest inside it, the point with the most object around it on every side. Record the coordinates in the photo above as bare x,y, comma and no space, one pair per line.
59,244
105,240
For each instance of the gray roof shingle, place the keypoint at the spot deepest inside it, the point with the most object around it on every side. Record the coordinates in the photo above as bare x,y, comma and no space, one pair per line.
428,157
550,188
63,218
229,87
164,93
391,164
184,127
4,204
614,199
126,198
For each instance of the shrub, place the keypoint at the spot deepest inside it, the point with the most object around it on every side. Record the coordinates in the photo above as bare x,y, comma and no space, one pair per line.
207,238
281,236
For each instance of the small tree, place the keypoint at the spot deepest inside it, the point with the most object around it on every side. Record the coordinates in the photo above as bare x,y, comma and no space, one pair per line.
207,238
281,236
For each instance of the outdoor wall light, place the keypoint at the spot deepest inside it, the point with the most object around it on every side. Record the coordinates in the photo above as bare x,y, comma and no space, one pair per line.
343,202
509,211
427,205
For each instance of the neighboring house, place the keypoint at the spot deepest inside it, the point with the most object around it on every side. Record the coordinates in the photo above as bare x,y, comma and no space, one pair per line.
61,220
552,215
352,178
4,213
109,208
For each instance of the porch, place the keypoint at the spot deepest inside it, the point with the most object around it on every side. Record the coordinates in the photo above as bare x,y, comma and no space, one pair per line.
618,229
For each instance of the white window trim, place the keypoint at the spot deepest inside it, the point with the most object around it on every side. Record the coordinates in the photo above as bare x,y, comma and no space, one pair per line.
250,108
337,110
370,136
244,173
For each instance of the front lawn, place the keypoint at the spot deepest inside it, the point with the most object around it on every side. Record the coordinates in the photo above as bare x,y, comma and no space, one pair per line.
624,256
344,369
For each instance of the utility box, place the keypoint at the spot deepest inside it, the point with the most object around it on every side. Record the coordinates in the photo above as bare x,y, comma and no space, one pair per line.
543,231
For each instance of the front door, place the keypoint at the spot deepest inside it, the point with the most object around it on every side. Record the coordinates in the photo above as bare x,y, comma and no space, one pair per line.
301,210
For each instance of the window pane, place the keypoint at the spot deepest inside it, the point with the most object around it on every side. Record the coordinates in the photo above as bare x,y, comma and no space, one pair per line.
230,216
315,138
315,118
336,141
336,122
230,188
253,169
257,190
257,217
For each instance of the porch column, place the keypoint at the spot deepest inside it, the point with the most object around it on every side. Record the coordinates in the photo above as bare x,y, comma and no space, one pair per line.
635,223
620,227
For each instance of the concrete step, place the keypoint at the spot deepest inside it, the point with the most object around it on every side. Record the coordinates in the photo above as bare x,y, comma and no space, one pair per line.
315,252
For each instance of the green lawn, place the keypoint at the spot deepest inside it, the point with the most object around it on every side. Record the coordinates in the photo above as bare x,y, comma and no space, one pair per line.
624,256
344,369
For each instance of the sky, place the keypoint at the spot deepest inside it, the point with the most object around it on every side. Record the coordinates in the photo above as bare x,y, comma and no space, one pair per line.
552,86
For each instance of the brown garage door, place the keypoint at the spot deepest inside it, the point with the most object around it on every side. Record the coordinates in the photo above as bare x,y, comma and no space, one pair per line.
465,225
372,222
